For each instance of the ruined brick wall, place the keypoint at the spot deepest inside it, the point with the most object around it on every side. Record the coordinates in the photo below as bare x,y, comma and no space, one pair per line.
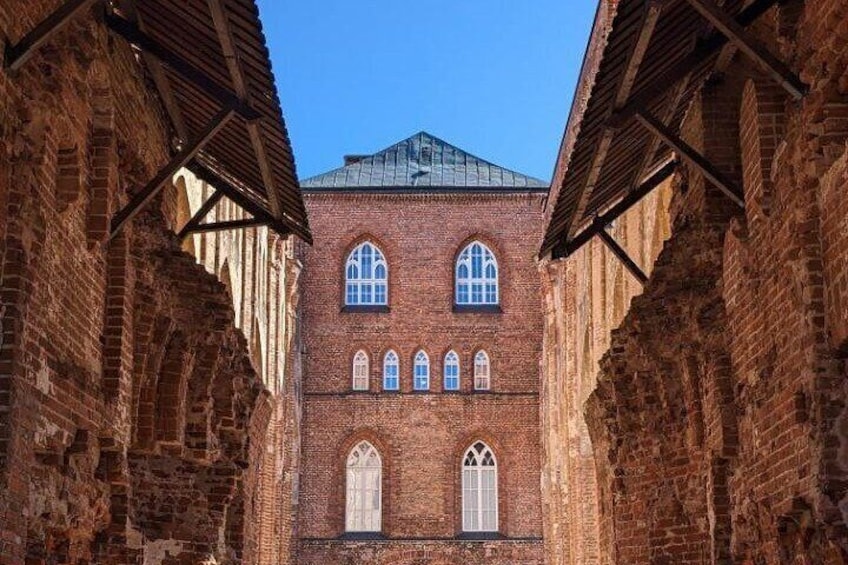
585,297
133,412
718,420
421,436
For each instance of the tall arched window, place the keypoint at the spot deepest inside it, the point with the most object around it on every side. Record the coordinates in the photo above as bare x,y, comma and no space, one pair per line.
476,276
479,489
360,371
366,277
421,371
451,371
482,371
391,371
364,489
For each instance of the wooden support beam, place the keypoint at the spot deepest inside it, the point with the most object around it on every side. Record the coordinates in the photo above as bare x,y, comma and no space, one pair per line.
622,255
205,174
228,225
697,160
228,46
186,154
634,197
201,213
709,47
18,54
131,33
752,48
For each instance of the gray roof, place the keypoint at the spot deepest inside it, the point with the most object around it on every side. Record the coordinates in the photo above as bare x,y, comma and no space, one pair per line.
422,161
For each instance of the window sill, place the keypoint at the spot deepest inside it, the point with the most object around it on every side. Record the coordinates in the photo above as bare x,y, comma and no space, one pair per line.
362,536
479,536
365,309
477,309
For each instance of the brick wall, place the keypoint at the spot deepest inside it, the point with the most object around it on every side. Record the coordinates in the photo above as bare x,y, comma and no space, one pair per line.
136,423
421,436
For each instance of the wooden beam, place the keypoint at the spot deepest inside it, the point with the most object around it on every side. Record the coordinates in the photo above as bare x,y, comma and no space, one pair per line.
201,213
634,197
228,225
752,48
228,45
697,160
18,54
131,33
622,255
205,174
679,71
186,154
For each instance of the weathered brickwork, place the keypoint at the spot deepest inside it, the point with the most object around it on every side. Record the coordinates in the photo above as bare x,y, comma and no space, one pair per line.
138,423
717,424
421,436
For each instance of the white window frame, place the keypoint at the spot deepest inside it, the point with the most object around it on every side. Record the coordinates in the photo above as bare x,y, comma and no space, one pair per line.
466,280
361,371
477,515
361,290
421,361
364,489
482,371
451,363
391,361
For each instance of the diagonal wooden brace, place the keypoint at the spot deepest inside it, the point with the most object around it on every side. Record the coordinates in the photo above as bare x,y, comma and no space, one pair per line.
697,160
186,154
752,48
201,213
622,255
18,54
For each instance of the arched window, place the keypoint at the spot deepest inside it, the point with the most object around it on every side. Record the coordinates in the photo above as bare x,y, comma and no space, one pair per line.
366,277
451,371
476,276
421,371
360,371
479,489
482,371
364,489
390,371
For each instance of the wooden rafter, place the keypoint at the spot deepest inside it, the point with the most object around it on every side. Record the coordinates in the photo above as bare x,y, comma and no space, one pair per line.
198,217
600,222
752,48
186,70
228,45
688,153
622,255
186,154
18,54
634,62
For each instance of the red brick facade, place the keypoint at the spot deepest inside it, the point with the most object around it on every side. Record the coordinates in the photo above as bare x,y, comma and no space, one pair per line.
421,436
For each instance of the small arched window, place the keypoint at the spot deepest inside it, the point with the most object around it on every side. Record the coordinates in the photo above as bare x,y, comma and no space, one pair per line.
479,489
421,371
366,277
364,489
482,371
476,276
360,371
451,371
391,371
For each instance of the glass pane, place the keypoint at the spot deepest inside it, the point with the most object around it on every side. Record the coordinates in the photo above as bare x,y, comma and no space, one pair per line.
380,272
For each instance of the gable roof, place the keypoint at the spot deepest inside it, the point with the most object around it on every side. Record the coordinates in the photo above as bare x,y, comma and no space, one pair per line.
422,162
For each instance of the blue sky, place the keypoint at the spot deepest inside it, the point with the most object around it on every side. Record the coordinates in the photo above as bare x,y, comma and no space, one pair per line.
493,77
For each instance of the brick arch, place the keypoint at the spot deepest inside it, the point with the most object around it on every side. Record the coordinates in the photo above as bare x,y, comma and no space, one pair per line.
336,502
502,458
171,390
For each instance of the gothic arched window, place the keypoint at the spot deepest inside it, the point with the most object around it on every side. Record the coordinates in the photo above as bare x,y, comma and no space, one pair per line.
482,371
364,489
451,371
479,489
421,371
360,371
476,276
366,277
391,371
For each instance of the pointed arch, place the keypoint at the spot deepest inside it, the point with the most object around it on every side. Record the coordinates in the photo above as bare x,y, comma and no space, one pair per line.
360,372
482,371
421,371
391,371
479,489
476,276
366,276
363,492
451,371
